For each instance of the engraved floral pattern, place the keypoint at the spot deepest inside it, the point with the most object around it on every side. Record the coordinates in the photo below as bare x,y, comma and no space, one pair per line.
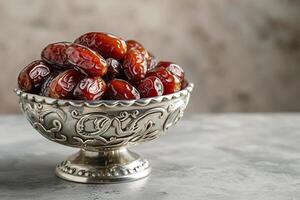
103,126
39,119
99,127
97,130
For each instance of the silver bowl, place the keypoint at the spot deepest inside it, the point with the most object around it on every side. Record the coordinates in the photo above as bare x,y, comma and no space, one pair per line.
103,130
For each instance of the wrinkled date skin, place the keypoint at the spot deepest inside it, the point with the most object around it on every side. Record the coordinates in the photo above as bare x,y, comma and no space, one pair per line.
98,66
134,65
122,90
173,68
86,60
33,75
55,54
114,69
46,85
150,87
90,89
170,82
107,45
151,61
61,87
150,58
132,44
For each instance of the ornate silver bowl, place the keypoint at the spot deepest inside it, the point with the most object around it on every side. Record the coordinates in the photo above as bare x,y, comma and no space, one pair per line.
103,130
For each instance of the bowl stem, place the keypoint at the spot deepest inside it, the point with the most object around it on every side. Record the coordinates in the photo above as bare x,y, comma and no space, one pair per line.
109,166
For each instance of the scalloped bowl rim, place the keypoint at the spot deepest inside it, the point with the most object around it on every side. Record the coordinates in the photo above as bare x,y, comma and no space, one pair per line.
107,103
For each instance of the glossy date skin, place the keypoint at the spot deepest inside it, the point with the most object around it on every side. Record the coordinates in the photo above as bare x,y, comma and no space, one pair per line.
62,86
33,75
134,65
106,66
107,45
121,90
133,44
150,87
173,68
86,60
55,54
46,85
150,58
170,82
90,89
114,69
151,61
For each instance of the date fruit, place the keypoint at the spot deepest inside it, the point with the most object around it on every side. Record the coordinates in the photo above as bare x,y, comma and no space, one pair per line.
170,82
122,90
114,69
150,87
46,85
98,66
90,89
151,61
134,65
55,54
86,60
107,45
33,75
173,68
62,86
132,44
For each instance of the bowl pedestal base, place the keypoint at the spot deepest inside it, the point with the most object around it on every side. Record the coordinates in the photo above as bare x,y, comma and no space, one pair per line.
110,166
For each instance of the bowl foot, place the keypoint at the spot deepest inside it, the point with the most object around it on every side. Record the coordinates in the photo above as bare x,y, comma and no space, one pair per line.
111,166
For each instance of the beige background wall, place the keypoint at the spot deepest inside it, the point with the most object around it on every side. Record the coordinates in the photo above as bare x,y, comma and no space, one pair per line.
242,55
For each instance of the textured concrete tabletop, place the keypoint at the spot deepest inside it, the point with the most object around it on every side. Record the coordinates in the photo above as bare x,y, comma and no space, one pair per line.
231,156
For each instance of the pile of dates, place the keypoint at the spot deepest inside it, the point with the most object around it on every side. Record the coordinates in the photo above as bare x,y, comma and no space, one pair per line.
100,66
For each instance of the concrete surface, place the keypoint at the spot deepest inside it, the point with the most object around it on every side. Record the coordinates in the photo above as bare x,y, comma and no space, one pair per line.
216,157
242,55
